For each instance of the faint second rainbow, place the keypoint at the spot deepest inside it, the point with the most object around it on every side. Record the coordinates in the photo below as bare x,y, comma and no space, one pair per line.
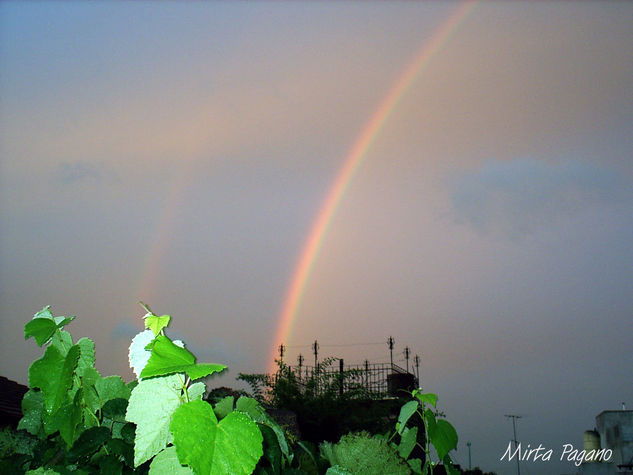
352,162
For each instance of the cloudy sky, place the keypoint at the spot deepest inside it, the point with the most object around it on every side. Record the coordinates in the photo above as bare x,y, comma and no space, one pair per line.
181,153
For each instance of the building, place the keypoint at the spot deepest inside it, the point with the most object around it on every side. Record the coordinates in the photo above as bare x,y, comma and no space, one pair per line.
613,440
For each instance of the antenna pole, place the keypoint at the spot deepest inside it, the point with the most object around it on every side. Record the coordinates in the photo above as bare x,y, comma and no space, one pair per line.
416,361
407,352
514,431
390,342
469,464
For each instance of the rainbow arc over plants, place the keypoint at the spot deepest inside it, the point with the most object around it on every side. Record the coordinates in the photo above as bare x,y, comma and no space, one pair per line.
351,162
350,165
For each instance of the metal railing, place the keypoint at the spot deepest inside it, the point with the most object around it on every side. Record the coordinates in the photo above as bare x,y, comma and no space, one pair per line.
372,378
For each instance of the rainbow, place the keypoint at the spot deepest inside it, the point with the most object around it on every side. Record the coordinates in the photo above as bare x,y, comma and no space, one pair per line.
351,164
162,234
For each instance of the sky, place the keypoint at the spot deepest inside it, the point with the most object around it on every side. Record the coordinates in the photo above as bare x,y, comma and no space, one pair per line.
182,153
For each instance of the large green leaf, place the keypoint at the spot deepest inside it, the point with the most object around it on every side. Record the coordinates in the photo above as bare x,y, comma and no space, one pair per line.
443,436
43,326
168,358
150,407
33,410
251,407
41,329
53,373
272,452
406,411
234,445
407,442
138,355
166,463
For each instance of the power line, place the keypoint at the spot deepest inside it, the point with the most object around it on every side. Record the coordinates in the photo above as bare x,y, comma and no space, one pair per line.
335,344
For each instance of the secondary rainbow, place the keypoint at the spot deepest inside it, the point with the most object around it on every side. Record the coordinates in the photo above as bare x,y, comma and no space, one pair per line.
351,163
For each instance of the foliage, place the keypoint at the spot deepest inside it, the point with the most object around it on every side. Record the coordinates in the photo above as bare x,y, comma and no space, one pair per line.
77,421
363,454
439,433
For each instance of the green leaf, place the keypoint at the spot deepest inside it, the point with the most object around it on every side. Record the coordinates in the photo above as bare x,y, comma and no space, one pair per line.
65,420
272,452
416,465
45,313
196,390
407,442
150,407
109,464
406,411
138,355
43,326
115,409
426,398
42,471
33,410
41,329
89,442
62,341
156,323
443,437
166,463
168,358
89,380
224,407
61,322
337,470
121,448
234,445
53,375
87,355
251,407
111,387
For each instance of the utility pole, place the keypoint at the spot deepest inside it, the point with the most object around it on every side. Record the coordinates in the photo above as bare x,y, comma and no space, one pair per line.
514,431
390,342
300,359
416,361
407,352
367,374
315,349
469,464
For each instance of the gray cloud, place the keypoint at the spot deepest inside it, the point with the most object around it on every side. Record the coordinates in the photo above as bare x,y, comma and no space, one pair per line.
71,173
519,196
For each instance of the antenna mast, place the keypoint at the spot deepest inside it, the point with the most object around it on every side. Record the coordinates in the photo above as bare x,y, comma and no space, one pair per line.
514,431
